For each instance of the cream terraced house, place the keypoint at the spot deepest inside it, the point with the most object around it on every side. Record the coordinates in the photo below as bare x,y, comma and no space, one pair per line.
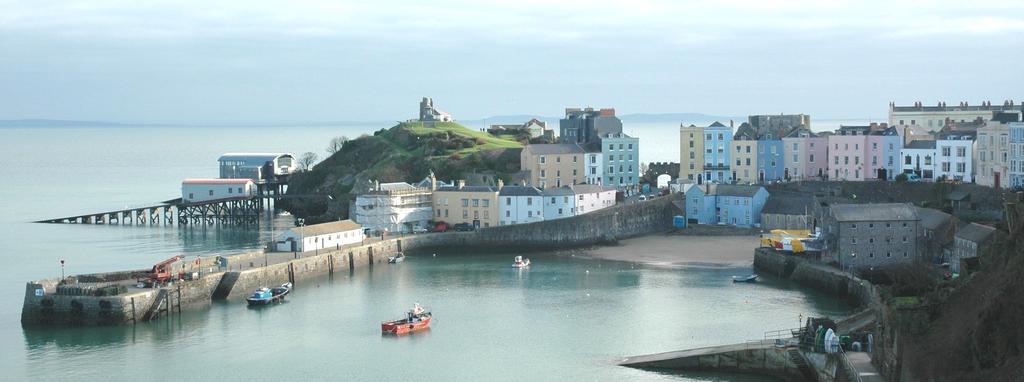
553,165
474,205
934,117
691,153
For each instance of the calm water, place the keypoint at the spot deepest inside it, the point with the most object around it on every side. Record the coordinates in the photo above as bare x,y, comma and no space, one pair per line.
565,318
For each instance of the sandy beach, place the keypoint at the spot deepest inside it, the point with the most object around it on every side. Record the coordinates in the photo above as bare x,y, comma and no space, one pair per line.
681,251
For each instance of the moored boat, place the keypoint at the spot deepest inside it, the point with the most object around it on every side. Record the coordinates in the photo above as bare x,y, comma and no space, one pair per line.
745,279
264,295
520,262
415,319
396,258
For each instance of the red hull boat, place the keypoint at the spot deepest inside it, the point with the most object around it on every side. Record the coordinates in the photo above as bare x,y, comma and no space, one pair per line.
416,319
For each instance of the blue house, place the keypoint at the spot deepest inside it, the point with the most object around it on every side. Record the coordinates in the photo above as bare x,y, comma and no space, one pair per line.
725,204
770,164
716,152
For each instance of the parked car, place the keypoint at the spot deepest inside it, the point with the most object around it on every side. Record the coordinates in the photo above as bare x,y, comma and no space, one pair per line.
420,230
642,198
441,227
912,177
464,227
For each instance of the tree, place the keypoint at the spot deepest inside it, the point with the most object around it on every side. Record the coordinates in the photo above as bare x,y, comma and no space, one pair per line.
307,160
336,144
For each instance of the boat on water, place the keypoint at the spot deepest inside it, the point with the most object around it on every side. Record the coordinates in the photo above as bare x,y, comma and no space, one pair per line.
520,262
265,296
745,279
396,258
415,319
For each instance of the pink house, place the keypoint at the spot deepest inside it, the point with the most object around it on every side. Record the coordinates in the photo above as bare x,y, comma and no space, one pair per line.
846,151
806,155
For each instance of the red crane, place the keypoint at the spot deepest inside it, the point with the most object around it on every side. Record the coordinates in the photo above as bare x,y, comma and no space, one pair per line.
161,271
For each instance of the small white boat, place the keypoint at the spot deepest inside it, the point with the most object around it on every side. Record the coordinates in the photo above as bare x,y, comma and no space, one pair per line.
745,279
396,258
520,262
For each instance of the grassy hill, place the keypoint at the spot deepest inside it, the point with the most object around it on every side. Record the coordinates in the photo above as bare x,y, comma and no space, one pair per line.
405,152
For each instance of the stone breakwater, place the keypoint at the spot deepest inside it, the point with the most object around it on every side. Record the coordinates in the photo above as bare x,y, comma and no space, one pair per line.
226,277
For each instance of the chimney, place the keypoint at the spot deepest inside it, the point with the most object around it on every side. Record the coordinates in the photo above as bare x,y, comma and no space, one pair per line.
433,182
462,184
501,184
376,185
730,123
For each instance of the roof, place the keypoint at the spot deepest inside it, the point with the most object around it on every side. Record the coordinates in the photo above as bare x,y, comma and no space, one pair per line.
974,232
716,124
874,212
559,191
745,132
554,148
921,144
252,159
957,107
327,228
932,218
734,190
396,186
217,181
467,189
591,188
519,191
797,131
788,205
958,195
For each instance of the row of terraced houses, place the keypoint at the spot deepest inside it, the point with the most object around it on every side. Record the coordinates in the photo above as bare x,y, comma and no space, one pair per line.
982,143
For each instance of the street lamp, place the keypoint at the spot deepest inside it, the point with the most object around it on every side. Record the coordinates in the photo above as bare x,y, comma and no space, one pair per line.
302,234
62,269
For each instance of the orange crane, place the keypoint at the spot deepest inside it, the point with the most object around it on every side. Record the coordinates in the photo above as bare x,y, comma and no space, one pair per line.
161,272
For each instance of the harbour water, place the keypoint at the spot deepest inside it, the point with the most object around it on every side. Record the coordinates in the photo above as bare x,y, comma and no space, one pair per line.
566,317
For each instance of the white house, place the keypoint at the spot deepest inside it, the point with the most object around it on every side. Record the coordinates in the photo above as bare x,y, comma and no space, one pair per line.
953,154
203,190
918,157
593,167
559,203
520,204
331,235
593,197
395,207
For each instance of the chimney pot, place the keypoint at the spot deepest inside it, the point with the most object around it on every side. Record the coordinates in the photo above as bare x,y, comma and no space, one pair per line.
462,184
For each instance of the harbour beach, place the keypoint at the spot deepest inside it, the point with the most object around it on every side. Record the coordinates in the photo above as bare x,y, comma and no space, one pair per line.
677,251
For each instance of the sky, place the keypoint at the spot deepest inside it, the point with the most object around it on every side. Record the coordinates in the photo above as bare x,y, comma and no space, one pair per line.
263,61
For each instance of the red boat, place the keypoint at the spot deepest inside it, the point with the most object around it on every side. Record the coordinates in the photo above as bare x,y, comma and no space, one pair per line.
416,319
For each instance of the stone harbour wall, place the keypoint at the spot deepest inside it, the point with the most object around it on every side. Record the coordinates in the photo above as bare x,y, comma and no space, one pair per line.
234,277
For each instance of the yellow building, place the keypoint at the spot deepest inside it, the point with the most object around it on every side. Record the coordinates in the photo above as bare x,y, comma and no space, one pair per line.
553,165
744,155
475,205
691,152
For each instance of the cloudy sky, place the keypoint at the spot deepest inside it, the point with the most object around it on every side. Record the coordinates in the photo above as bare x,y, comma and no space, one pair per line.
274,61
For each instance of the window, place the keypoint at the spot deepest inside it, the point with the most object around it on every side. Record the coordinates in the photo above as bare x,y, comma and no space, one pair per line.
620,146
888,254
630,146
465,214
945,151
796,158
853,226
691,144
611,147
874,145
904,239
846,160
486,202
543,173
445,213
465,202
542,159
508,201
837,159
796,147
508,213
559,211
871,225
529,214
961,167
558,159
574,159
211,192
552,200
853,240
708,137
748,149
720,137
529,201
191,196
811,159
748,161
438,212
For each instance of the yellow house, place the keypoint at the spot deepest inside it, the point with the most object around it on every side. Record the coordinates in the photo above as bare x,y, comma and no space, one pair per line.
475,205
744,155
691,152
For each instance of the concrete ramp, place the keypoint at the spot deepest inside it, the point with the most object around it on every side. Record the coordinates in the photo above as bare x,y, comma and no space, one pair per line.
757,357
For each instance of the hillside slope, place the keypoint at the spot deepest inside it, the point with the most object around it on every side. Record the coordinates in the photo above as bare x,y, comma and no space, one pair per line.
408,151
977,334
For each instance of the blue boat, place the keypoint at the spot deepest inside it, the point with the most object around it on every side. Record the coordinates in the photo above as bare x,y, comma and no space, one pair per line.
265,296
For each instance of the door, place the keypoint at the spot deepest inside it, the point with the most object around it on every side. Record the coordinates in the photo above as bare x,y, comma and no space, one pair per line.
883,174
996,181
